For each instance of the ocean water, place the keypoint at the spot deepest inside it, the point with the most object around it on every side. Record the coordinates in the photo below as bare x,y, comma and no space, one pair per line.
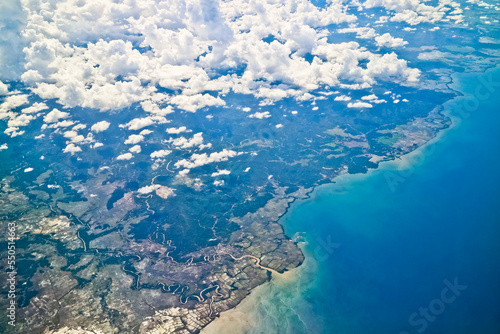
412,247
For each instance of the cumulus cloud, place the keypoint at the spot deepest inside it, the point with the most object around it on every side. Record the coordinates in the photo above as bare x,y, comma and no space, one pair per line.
4,147
84,64
160,154
74,136
100,126
12,102
361,32
197,160
72,148
125,156
389,41
54,116
373,99
135,149
34,108
177,130
182,142
4,89
360,105
342,98
221,172
415,12
134,139
139,123
260,115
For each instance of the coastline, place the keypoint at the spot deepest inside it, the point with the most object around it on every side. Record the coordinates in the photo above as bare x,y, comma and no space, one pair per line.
241,319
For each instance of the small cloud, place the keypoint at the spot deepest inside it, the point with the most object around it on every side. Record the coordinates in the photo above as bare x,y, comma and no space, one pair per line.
134,139
54,116
388,41
342,98
360,105
72,148
100,126
261,115
125,156
160,154
177,130
221,172
135,149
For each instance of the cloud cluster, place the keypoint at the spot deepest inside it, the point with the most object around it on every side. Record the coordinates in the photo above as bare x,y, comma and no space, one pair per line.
196,140
415,12
192,50
198,160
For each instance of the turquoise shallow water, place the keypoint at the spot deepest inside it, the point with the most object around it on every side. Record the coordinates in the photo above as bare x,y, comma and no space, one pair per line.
403,249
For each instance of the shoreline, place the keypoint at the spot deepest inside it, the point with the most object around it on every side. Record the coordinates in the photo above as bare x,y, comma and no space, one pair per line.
237,320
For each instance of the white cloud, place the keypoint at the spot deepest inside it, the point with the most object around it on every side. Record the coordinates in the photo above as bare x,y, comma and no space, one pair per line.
221,172
389,41
72,148
125,156
135,149
139,123
4,89
29,169
12,102
74,136
36,107
134,139
84,64
361,32
100,126
198,160
79,127
54,116
4,147
260,115
361,105
160,154
342,98
61,124
194,102
414,12
373,99
177,130
182,142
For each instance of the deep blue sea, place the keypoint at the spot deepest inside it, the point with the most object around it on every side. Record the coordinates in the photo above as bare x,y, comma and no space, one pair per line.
412,247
